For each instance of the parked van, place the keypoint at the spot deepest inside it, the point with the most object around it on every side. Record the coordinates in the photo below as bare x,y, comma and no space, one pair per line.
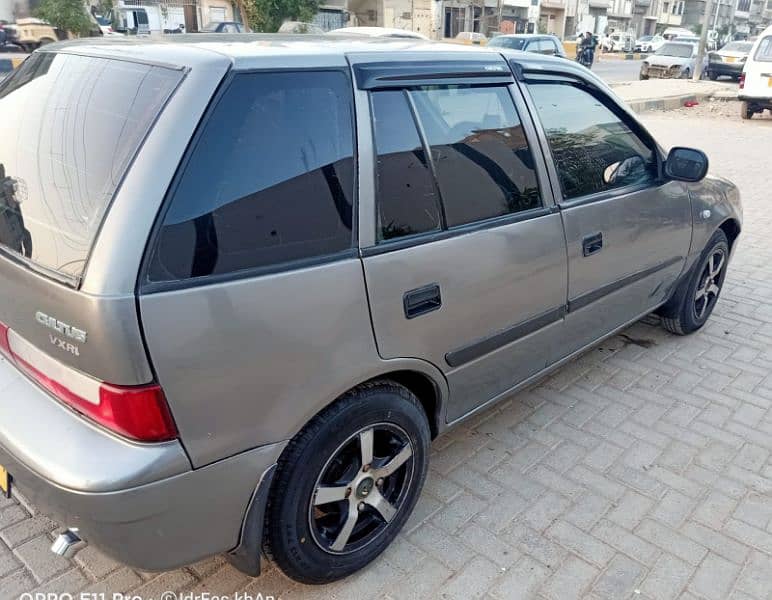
755,93
244,284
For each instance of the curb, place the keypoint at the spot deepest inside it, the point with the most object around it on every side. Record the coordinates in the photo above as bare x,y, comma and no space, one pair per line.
673,102
622,56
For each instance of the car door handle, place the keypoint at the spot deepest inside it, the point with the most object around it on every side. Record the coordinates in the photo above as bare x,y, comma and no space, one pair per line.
422,300
592,244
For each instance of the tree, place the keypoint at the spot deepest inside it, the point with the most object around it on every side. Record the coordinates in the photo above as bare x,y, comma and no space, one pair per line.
67,15
268,15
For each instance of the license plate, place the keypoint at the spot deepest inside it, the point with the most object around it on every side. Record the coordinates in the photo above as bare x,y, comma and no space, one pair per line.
730,59
5,482
769,81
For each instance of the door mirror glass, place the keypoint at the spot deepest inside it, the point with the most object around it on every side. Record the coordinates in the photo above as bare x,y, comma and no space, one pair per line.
686,164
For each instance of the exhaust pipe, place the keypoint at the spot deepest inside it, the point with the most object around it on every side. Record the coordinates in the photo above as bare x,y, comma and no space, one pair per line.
67,543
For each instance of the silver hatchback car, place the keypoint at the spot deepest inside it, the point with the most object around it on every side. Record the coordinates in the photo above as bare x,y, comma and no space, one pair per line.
245,281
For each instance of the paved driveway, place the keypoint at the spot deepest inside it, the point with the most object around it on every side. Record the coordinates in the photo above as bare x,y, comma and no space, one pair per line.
641,470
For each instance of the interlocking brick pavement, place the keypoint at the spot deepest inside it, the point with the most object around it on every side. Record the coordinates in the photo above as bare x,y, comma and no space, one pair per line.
641,470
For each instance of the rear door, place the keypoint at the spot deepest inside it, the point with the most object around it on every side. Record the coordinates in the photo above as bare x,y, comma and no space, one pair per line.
71,125
628,230
758,70
466,265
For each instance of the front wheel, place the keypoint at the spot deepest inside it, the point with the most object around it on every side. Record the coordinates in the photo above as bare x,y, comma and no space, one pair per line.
701,294
746,112
346,484
712,75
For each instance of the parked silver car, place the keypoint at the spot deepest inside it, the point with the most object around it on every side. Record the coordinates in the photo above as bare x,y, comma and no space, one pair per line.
673,60
245,283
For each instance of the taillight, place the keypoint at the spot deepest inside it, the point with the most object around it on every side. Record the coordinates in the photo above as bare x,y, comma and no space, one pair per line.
137,412
742,81
5,348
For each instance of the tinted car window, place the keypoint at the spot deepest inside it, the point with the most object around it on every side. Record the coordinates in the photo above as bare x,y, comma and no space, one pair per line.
508,42
270,181
69,128
764,52
406,196
594,150
480,154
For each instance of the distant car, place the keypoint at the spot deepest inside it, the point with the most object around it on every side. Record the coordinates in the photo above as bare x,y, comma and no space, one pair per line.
755,92
471,37
687,39
300,27
387,32
225,27
649,43
30,34
729,61
674,60
617,42
106,27
527,42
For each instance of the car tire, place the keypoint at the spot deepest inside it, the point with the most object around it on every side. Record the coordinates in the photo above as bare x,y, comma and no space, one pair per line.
699,297
712,75
643,77
312,540
746,112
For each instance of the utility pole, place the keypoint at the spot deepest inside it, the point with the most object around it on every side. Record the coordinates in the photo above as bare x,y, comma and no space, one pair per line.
703,39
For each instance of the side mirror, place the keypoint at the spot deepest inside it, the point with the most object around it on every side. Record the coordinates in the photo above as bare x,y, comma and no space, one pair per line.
686,164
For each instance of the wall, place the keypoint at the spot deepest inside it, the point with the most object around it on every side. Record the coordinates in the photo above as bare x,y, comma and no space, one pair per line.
205,12
6,10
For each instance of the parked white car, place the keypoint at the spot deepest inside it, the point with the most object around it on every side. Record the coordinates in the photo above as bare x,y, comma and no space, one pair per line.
649,43
672,61
387,32
755,93
618,42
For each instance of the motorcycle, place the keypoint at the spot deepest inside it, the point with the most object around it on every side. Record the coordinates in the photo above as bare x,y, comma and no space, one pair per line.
585,57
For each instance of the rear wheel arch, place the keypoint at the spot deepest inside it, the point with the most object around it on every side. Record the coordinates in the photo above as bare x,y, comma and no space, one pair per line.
425,388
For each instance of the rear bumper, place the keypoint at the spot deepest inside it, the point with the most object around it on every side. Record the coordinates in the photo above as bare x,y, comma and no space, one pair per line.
756,101
733,69
142,504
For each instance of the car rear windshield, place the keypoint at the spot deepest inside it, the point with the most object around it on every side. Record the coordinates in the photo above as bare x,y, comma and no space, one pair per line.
508,42
678,50
738,47
70,127
764,53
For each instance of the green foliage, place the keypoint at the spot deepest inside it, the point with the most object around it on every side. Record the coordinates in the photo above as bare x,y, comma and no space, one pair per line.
268,15
67,15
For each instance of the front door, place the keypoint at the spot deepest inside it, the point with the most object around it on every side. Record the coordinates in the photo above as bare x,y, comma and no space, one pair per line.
468,265
628,231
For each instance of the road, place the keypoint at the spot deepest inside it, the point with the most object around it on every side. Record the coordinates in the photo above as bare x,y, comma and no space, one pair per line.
613,70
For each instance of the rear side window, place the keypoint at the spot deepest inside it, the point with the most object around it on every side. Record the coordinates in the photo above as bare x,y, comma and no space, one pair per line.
594,149
269,182
764,53
407,200
476,164
483,164
69,127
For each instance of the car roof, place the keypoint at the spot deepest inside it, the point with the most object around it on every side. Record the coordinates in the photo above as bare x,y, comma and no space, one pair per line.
524,35
253,50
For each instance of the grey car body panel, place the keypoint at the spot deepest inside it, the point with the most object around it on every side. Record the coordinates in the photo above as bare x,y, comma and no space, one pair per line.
70,452
277,340
113,349
160,525
646,239
523,274
246,363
